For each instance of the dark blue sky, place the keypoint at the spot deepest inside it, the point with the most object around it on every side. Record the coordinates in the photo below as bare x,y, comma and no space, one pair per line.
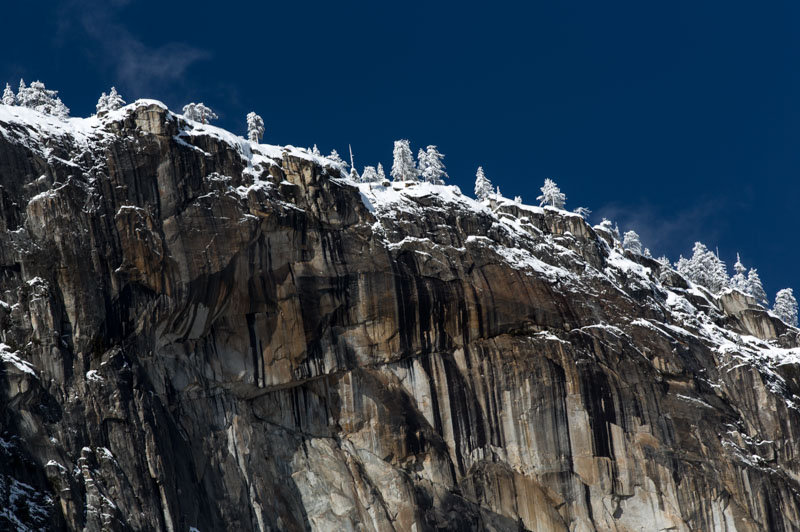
677,119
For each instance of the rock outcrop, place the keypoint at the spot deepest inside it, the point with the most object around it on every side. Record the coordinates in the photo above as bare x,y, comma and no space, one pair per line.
203,333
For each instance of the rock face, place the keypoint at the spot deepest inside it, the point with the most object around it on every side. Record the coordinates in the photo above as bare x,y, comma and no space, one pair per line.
202,332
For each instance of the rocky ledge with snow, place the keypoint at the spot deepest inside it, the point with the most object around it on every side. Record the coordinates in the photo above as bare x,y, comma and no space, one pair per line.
201,331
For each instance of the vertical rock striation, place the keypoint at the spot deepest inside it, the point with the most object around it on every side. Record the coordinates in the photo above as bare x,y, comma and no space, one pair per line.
198,331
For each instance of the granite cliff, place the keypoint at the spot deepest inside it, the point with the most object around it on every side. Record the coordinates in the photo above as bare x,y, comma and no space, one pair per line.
203,333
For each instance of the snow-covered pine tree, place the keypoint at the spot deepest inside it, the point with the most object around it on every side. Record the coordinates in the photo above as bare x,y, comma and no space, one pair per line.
682,266
431,167
583,212
115,101
403,167
354,174
381,173
255,127
632,243
41,99
199,112
369,175
739,279
497,191
315,151
647,253
552,195
755,288
483,187
517,199
190,112
206,114
606,225
8,96
704,268
337,160
666,267
719,273
109,102
101,107
786,306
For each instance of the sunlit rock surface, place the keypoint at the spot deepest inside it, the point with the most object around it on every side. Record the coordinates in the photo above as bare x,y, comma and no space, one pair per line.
202,332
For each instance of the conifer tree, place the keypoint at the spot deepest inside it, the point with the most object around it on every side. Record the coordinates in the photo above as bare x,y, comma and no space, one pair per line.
109,102
682,266
517,199
786,306
8,96
431,167
115,101
255,127
606,225
665,267
739,279
337,160
41,99
704,268
354,175
369,175
403,167
315,151
102,104
632,243
551,195
755,288
199,112
583,212
483,187
381,173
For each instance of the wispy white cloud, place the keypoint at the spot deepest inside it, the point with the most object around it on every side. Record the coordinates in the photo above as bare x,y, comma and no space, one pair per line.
139,68
669,232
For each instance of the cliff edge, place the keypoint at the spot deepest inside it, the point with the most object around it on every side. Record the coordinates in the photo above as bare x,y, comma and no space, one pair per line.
202,332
